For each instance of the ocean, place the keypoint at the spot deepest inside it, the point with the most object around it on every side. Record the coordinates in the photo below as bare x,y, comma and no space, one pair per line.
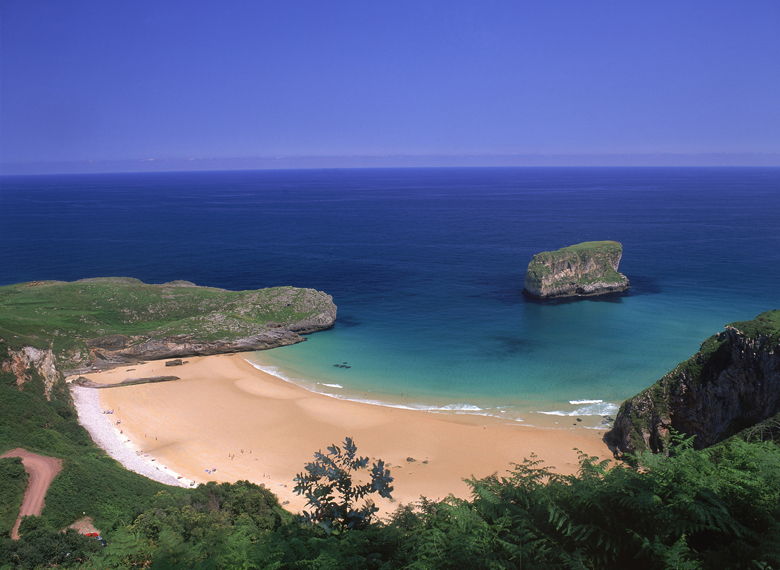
427,266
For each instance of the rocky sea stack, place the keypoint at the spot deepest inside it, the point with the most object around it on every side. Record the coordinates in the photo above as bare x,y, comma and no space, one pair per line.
731,386
581,270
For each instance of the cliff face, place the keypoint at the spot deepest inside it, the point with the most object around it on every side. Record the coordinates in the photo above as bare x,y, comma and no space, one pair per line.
25,362
581,270
731,384
118,349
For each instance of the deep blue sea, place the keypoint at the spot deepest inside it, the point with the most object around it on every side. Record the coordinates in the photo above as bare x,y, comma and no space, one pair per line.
427,266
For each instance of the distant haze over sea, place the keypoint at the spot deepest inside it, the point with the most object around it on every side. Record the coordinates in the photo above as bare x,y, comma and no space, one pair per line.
168,164
426,266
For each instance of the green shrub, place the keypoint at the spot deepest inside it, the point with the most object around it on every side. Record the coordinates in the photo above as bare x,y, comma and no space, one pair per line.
13,481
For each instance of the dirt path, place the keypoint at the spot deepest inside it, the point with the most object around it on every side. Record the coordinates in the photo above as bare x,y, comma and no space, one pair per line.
42,470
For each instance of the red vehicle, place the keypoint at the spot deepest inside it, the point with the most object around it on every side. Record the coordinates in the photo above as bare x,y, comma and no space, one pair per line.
96,536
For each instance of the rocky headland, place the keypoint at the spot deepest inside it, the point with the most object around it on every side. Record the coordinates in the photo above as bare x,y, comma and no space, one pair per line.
48,328
582,270
730,387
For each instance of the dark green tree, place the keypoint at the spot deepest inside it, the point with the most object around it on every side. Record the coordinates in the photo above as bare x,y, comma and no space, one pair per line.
330,488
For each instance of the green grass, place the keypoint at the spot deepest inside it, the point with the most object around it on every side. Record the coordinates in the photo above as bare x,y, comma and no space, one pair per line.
596,249
590,246
766,324
63,315
13,481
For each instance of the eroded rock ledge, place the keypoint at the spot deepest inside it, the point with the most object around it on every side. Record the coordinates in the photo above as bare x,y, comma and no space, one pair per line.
581,270
135,349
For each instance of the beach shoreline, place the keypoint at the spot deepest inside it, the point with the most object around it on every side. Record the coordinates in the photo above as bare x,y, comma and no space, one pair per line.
227,420
595,414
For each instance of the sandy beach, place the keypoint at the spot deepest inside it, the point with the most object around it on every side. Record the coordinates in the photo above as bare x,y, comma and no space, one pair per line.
225,420
105,430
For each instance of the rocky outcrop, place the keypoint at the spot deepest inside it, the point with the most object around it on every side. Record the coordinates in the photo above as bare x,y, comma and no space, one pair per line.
135,349
581,270
87,383
731,384
27,361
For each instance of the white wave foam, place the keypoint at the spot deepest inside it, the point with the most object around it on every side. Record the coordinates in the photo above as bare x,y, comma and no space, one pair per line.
594,409
580,402
272,370
462,408
458,408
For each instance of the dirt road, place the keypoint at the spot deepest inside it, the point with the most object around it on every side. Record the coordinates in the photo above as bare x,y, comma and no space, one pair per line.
41,470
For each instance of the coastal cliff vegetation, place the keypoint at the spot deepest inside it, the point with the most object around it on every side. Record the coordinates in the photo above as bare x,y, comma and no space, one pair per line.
716,508
731,387
686,508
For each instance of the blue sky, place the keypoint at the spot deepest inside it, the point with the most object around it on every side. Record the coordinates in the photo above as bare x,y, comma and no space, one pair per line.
87,85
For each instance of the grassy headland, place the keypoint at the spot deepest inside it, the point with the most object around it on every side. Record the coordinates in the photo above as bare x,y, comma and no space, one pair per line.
66,316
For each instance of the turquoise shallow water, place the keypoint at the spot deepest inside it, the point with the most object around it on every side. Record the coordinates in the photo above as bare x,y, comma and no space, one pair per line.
426,266
550,358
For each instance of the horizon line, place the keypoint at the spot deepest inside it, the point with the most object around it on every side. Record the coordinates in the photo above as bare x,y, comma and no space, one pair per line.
368,161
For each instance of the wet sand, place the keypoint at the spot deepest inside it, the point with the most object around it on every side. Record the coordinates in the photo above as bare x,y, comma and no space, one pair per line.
225,420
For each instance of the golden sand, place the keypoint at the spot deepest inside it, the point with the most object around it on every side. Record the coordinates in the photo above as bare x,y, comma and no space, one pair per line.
238,422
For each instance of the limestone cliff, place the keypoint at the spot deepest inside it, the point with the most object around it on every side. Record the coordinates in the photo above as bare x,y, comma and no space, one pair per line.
116,349
28,361
584,269
732,383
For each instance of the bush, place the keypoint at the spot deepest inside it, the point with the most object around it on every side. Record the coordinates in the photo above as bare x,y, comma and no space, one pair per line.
13,481
330,489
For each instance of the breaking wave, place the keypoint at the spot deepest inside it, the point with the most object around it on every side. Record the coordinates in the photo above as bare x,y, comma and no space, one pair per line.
591,408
